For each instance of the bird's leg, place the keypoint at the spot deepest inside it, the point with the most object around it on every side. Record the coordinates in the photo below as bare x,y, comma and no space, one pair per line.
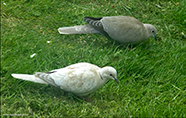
80,98
64,93
87,99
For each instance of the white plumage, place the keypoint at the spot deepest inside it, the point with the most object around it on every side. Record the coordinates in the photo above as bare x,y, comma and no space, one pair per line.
123,29
80,79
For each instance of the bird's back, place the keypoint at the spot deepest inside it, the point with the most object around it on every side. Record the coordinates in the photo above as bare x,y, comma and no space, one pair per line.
80,79
124,29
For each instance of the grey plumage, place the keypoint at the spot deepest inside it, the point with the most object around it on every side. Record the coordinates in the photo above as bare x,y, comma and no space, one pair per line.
123,29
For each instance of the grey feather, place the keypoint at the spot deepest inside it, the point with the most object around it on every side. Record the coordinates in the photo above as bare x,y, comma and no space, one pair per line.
46,77
81,29
123,29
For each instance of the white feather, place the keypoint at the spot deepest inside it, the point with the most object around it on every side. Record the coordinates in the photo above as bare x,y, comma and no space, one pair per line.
80,79
27,77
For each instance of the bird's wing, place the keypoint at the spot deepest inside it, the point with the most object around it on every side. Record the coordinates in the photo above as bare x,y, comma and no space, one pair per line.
124,29
96,24
81,78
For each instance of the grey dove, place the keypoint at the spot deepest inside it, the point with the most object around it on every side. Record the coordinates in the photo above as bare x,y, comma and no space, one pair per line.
123,29
79,79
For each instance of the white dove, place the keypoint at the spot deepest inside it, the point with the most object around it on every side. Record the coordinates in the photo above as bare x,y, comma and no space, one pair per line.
79,79
123,29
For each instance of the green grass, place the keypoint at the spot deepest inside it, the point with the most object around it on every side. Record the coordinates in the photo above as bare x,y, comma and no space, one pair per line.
152,75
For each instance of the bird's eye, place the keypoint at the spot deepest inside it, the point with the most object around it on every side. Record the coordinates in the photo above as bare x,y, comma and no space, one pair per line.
152,31
110,74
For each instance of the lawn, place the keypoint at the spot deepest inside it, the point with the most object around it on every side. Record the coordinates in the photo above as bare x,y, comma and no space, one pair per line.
152,75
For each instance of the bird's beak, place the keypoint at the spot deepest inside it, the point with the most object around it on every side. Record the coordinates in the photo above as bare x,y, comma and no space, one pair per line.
155,37
116,80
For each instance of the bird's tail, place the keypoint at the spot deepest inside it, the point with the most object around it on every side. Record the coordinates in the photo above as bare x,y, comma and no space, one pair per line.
81,29
27,77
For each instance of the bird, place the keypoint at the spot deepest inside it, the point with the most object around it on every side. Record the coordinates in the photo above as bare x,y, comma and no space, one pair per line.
122,29
80,79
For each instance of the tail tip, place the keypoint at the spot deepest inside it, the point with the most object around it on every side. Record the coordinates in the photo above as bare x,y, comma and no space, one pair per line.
61,32
13,74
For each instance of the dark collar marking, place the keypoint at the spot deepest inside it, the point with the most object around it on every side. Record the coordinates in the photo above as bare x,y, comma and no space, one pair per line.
100,76
51,72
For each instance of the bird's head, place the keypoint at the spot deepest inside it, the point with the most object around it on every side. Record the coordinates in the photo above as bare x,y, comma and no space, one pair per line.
109,73
151,31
